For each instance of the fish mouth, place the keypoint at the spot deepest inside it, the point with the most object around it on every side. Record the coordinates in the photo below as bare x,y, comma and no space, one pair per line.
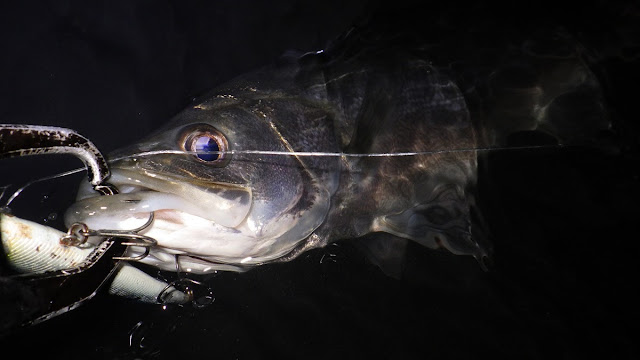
170,198
210,225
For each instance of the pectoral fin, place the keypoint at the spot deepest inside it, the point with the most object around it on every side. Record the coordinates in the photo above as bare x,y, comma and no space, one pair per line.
443,222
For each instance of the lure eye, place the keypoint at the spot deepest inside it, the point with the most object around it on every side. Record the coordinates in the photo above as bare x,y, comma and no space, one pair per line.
206,142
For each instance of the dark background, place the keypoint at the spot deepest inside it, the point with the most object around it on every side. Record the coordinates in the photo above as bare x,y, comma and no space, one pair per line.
563,223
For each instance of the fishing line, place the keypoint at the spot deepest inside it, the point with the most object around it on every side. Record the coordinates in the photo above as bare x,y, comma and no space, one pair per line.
3,190
278,153
51,177
330,154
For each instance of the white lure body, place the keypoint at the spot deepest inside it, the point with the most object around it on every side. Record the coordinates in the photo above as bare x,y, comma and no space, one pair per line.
34,248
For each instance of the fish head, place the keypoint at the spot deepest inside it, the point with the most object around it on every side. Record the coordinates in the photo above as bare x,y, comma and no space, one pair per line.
221,207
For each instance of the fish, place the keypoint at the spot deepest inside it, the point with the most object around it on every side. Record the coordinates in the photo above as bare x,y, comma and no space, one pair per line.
370,139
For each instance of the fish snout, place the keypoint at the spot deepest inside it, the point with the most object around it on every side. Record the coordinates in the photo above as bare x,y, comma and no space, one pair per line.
139,194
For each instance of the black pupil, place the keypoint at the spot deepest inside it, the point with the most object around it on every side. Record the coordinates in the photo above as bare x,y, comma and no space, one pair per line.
206,148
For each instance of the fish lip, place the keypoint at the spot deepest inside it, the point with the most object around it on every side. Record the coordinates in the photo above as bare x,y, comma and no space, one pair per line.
227,205
118,173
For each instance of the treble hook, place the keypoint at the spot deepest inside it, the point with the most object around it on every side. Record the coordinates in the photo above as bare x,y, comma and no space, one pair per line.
78,234
187,286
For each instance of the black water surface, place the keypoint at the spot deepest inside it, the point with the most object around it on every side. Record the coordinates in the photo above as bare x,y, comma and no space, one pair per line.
563,221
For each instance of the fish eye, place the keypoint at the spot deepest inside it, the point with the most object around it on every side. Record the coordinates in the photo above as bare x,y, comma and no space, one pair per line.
206,142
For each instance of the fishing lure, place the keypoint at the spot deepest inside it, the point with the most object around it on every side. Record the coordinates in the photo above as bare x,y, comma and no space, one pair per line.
65,268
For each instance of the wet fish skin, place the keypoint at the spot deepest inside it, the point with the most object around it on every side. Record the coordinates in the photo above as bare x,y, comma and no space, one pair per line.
353,98
303,202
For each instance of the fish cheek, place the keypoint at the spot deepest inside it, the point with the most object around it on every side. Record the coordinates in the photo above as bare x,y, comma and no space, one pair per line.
279,185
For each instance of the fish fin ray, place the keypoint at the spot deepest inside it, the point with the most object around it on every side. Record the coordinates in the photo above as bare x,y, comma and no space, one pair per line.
443,222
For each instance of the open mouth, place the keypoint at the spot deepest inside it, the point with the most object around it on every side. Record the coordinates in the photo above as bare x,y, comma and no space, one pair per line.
213,222
189,218
223,204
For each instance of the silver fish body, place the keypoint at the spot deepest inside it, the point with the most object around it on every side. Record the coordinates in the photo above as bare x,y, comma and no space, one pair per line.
253,205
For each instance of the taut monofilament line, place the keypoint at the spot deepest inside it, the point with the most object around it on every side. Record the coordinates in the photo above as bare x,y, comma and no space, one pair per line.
279,153
330,154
